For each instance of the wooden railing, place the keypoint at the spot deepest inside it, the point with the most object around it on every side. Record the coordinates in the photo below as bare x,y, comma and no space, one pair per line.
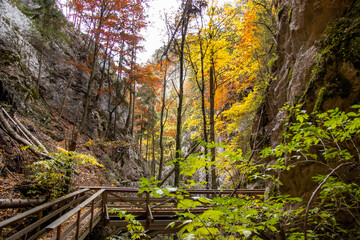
74,216
44,214
84,223
155,213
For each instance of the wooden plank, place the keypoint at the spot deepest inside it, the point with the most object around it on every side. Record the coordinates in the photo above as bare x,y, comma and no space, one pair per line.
166,201
126,199
133,201
157,225
39,208
97,220
84,230
66,216
41,221
38,234
70,227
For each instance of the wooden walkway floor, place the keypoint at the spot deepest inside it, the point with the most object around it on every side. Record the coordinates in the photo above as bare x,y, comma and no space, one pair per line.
75,215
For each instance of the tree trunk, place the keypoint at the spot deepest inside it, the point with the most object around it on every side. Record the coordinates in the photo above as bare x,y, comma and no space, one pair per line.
212,124
90,83
184,26
133,111
153,156
162,124
203,108
128,118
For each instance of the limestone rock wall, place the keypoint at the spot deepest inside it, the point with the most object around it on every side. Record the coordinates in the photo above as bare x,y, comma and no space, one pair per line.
40,78
301,40
26,56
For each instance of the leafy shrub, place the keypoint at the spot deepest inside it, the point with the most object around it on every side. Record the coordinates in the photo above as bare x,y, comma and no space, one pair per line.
52,177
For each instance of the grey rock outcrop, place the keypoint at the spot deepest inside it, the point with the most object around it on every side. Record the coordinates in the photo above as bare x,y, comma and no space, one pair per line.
300,39
44,78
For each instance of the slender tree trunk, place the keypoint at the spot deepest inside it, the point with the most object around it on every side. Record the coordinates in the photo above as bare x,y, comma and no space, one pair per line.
162,124
110,96
141,136
133,111
118,91
153,156
68,85
128,118
147,143
203,108
101,82
184,27
73,143
212,123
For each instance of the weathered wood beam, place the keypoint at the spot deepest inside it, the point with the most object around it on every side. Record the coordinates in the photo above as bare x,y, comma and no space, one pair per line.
20,203
37,209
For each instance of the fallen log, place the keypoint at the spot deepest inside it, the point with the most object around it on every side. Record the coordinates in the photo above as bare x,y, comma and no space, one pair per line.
31,136
12,133
20,203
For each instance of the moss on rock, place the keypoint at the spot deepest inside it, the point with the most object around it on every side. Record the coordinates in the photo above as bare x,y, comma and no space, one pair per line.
341,43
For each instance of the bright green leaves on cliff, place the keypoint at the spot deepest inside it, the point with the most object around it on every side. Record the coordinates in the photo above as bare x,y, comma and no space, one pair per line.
334,133
330,140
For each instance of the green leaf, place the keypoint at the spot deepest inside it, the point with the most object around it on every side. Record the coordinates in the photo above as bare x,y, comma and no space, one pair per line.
213,214
203,231
170,225
246,233
188,203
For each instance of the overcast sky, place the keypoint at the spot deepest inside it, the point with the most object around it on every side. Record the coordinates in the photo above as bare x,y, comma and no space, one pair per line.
155,34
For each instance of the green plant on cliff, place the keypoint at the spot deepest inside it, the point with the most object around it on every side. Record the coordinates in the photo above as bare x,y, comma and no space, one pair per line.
330,139
52,177
48,17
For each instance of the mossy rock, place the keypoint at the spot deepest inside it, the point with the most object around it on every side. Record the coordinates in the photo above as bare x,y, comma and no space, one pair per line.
340,44
8,57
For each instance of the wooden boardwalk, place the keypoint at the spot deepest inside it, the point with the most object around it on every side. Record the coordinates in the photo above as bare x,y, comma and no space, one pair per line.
75,215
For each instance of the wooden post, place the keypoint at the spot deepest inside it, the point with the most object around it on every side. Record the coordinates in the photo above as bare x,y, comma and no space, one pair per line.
147,206
104,202
39,217
92,215
77,225
61,204
58,233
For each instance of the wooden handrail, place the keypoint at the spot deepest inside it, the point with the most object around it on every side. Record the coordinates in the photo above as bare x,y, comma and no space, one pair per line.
40,208
78,208
113,189
190,191
40,221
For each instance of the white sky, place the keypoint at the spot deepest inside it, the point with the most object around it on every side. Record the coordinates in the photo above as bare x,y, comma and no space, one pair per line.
155,34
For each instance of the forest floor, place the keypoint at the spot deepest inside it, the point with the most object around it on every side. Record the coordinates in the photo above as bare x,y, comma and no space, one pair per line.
14,162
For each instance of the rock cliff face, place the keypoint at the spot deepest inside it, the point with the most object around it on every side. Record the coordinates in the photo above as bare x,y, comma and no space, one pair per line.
306,71
42,79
